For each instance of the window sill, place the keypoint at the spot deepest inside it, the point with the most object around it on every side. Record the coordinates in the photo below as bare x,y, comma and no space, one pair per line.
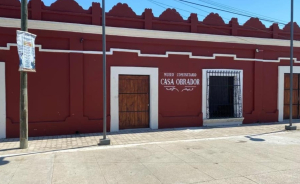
223,122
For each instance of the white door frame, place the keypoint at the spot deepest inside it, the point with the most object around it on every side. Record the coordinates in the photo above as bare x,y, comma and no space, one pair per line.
2,101
114,93
280,103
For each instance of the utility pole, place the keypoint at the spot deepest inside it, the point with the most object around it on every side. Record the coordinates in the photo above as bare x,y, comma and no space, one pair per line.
290,126
105,140
23,87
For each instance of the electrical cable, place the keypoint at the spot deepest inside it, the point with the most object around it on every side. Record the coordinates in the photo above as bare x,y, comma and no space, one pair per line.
267,20
165,6
219,5
270,32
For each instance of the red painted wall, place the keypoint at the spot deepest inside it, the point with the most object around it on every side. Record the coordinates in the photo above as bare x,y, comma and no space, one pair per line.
65,94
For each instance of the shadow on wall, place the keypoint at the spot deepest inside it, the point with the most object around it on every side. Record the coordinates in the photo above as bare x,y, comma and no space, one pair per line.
3,162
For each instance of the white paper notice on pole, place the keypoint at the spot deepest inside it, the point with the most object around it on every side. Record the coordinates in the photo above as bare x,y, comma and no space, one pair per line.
26,51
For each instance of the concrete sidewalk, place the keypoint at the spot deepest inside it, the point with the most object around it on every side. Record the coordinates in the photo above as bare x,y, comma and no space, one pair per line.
125,137
266,155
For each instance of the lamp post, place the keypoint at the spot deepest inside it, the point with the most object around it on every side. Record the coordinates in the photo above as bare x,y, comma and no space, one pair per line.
105,140
23,87
290,126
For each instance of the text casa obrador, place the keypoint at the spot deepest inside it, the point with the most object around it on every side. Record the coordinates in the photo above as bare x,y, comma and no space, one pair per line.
180,81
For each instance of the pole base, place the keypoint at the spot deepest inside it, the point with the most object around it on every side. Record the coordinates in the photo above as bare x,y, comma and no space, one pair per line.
104,142
288,127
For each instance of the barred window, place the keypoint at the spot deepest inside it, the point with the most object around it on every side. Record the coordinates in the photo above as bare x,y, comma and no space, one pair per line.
223,94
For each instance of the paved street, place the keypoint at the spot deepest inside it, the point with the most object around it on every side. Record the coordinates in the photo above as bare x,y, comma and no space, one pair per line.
137,136
230,155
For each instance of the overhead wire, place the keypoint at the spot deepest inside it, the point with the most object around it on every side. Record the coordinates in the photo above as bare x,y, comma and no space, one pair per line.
165,6
219,9
168,6
220,5
270,32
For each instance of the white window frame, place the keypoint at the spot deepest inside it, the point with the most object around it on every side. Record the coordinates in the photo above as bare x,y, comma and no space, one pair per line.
204,88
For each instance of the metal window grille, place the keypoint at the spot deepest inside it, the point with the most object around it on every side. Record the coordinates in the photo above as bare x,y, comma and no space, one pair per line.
223,94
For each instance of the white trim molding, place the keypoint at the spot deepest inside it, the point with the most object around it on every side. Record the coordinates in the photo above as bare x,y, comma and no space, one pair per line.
142,33
114,93
166,55
223,122
229,121
280,103
2,101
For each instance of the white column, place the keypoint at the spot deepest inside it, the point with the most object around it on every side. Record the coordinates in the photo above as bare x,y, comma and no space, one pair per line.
2,101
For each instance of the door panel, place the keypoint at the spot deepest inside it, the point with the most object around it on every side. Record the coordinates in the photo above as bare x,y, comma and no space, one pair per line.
287,112
296,99
133,101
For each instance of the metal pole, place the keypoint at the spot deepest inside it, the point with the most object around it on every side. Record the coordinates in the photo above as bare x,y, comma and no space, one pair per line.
291,127
104,68
23,87
105,140
291,64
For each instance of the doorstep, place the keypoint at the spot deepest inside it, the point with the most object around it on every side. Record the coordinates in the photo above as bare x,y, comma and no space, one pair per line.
223,122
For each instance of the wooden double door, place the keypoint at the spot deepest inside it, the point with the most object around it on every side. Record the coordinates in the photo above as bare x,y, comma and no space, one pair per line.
296,96
133,101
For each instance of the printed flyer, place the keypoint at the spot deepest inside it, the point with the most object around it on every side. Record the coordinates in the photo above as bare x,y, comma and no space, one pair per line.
26,51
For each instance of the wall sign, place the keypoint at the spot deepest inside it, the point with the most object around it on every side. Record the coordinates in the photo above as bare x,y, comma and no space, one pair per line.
180,82
26,51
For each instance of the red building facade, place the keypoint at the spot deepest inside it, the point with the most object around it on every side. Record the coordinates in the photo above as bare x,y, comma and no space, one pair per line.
162,72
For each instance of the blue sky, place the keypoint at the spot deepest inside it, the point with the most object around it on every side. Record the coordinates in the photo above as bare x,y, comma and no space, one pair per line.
275,9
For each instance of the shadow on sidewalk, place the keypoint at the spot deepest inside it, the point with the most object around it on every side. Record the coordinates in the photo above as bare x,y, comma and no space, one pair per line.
148,130
255,139
2,161
132,131
9,149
